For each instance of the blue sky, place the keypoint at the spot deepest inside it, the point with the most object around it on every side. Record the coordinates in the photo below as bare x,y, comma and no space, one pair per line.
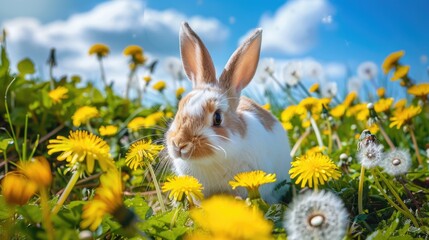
337,34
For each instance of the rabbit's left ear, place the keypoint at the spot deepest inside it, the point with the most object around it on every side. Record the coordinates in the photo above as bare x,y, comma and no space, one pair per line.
241,66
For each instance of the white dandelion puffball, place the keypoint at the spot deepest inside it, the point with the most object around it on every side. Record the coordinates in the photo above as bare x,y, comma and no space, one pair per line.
367,70
370,155
329,89
265,67
292,73
316,215
396,162
173,66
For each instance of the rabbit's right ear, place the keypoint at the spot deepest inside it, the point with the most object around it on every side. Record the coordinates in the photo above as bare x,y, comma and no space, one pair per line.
196,60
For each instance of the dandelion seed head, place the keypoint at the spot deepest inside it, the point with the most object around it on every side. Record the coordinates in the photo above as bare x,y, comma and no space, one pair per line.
396,162
370,155
316,215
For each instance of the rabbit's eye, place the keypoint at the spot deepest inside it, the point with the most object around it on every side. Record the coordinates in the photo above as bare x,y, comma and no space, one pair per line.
217,118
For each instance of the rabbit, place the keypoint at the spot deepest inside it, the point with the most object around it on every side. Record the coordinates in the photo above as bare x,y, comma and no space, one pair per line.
215,133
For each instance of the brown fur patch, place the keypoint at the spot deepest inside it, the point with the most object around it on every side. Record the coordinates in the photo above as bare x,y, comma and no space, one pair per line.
265,117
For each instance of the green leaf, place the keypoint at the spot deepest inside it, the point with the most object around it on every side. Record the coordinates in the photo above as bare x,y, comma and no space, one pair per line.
4,143
26,66
139,206
32,213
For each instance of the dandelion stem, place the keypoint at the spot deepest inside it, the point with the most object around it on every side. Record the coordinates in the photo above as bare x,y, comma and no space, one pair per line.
398,198
157,188
175,215
103,75
285,89
299,141
360,190
303,88
316,131
329,136
67,190
386,137
404,208
46,214
416,147
15,139
24,144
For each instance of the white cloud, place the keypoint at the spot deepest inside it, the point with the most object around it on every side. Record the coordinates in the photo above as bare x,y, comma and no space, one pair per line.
116,23
294,26
335,71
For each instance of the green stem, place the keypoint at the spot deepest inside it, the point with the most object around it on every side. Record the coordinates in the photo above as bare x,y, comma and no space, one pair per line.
103,75
416,147
393,191
46,214
329,136
157,188
15,139
67,190
285,89
5,162
316,131
386,137
360,190
24,144
405,211
175,215
304,89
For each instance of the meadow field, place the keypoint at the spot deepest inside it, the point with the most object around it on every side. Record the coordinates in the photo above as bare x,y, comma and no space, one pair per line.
79,161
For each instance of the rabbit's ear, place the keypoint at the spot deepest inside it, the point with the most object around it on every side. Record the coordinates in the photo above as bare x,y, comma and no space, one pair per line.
196,59
242,64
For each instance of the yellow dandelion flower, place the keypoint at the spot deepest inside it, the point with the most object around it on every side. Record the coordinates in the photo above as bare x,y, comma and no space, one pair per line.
252,181
314,88
157,116
58,94
316,149
107,200
181,186
419,90
147,79
266,106
288,113
383,104
136,124
83,115
350,98
313,170
223,217
374,129
108,130
17,189
312,104
404,116
159,86
287,125
101,50
179,92
400,72
400,104
139,59
338,111
363,115
355,109
133,50
381,92
37,170
141,152
80,146
169,114
391,61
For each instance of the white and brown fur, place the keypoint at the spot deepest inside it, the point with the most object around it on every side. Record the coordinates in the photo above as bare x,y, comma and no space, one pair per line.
249,137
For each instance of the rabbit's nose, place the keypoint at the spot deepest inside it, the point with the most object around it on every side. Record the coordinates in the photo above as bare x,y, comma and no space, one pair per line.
181,149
